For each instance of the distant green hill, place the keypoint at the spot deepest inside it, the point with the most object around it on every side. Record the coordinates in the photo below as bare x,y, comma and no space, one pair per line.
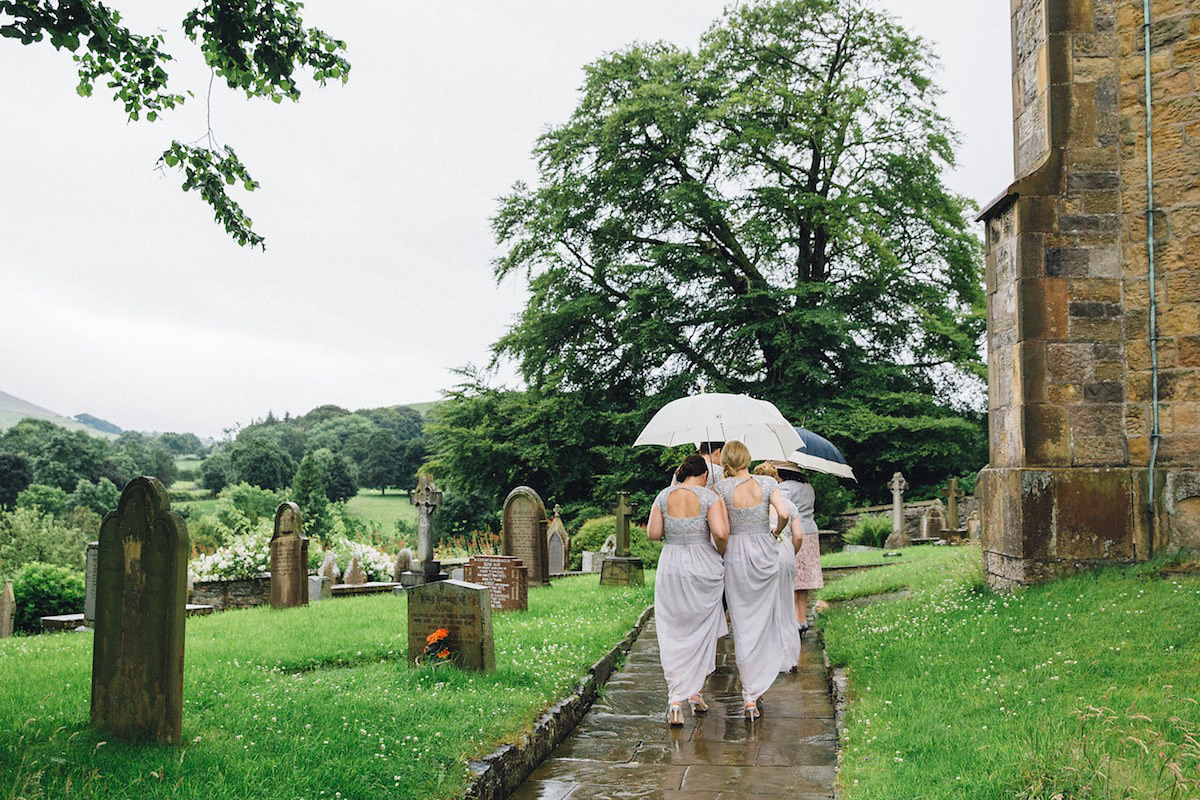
14,409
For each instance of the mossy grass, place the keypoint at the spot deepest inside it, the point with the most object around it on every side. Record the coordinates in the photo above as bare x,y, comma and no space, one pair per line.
306,703
1087,687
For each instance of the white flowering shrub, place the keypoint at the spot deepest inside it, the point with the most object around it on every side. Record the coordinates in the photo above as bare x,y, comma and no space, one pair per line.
376,563
246,556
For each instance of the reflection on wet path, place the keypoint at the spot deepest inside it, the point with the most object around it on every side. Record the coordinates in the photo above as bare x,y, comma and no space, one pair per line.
624,748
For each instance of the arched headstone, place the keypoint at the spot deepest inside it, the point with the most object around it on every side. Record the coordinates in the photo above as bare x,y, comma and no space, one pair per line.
289,559
141,598
524,534
557,545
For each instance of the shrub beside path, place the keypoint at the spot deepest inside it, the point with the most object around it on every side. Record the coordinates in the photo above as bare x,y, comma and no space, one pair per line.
624,748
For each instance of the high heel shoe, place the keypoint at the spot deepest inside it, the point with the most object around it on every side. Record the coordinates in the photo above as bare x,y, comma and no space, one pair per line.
697,703
752,712
675,715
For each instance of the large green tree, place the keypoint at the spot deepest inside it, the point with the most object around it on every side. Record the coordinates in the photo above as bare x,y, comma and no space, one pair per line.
254,46
768,215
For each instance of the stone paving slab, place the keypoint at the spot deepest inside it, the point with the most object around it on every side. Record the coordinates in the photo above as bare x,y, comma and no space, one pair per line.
623,748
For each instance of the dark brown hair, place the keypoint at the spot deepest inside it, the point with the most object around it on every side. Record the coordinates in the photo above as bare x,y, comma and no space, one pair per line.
692,465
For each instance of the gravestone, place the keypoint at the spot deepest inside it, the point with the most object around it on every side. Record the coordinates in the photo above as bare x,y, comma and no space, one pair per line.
897,538
289,559
557,544
402,564
89,583
355,574
319,588
524,533
933,522
609,548
973,525
8,610
590,561
426,497
622,568
506,578
464,610
953,495
329,569
141,598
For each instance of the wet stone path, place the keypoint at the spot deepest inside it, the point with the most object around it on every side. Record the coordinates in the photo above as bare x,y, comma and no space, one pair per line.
623,748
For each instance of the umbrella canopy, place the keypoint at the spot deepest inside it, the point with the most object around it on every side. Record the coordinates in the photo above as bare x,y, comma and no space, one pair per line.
821,455
720,417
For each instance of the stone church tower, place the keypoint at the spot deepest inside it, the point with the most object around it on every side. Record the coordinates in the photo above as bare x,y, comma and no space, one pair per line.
1095,430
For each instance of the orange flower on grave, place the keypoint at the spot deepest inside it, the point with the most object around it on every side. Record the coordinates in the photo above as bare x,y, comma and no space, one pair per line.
443,654
436,636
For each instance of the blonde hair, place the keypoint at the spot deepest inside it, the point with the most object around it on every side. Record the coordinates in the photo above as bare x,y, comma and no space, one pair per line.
768,469
735,456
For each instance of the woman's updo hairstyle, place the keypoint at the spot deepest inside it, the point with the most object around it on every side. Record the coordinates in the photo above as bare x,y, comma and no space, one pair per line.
692,465
735,456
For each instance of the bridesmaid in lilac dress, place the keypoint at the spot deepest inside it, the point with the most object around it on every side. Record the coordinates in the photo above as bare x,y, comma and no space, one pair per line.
758,573
688,584
808,558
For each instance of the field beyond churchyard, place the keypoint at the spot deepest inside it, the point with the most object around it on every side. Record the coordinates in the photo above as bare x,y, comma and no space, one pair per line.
305,702
1083,688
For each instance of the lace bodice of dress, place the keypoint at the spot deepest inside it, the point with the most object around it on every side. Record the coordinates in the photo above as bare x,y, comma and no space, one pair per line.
686,530
753,520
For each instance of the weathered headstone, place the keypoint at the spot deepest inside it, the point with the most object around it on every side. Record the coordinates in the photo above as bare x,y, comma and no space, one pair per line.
933,521
319,588
289,559
402,564
622,568
524,533
8,610
953,495
609,548
89,583
426,497
355,574
506,578
973,525
141,597
557,544
329,569
464,610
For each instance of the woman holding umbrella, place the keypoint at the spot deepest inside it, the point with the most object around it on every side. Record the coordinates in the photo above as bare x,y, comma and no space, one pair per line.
765,636
689,583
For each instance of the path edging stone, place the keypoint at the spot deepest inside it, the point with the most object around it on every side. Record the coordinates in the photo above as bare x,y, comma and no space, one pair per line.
501,771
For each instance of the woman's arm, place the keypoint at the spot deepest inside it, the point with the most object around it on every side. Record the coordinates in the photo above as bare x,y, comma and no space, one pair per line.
781,508
797,533
654,526
718,525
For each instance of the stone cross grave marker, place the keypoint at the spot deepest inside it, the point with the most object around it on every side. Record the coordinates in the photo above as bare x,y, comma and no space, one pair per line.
524,533
464,610
506,578
329,569
141,598
355,574
622,568
623,511
8,610
289,559
898,537
897,485
91,564
557,544
426,497
953,494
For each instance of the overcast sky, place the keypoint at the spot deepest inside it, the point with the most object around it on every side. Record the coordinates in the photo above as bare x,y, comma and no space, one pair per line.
120,297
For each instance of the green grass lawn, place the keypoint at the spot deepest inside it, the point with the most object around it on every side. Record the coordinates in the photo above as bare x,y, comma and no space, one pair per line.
1084,688
305,703
382,510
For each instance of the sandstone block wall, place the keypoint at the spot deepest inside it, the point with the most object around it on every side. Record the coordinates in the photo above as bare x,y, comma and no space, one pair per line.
1070,384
